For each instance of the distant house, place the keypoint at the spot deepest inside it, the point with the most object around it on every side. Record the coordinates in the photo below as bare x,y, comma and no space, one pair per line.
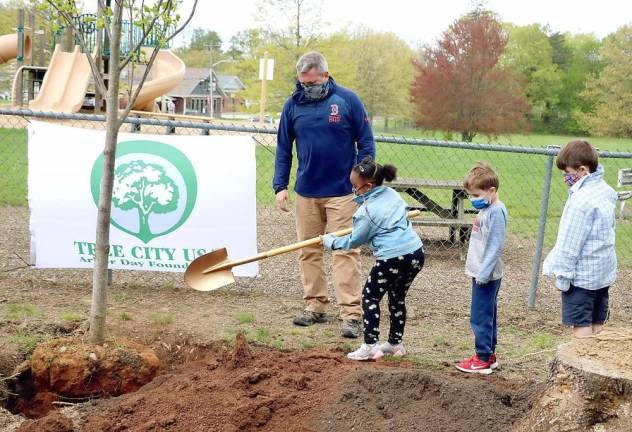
193,94
232,86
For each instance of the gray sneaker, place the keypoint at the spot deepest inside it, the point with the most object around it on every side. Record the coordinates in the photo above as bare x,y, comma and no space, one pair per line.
366,352
307,318
394,350
351,328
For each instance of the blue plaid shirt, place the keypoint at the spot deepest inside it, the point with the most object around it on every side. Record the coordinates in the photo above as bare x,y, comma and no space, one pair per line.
584,253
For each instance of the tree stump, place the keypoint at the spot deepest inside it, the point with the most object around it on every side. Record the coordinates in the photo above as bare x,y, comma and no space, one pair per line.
589,389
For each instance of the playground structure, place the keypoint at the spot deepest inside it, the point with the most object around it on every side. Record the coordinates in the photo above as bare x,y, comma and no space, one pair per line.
9,47
62,85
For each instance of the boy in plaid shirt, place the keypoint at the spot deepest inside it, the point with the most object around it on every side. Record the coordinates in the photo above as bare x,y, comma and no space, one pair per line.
583,259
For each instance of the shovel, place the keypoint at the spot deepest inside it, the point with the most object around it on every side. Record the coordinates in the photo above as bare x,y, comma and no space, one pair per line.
213,270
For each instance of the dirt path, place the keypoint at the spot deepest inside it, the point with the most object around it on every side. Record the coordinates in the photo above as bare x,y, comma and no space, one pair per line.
185,326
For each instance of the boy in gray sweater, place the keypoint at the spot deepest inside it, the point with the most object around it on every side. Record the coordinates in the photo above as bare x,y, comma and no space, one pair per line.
484,265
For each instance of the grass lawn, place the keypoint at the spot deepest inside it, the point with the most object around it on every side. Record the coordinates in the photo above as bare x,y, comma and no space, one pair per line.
13,166
527,140
521,177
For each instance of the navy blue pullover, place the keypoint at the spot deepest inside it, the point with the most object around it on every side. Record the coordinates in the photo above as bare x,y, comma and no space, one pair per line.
332,135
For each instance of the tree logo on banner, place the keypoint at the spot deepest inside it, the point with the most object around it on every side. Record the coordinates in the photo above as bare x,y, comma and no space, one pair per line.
155,188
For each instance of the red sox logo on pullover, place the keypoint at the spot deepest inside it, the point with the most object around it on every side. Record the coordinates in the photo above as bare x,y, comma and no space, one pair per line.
334,114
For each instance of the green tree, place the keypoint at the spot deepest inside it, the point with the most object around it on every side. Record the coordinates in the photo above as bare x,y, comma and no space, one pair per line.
611,90
203,47
292,24
339,50
201,39
8,19
584,62
160,20
146,188
245,44
288,29
384,72
530,54
561,51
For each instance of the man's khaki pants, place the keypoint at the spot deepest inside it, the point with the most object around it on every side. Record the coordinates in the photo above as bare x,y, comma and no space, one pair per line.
314,217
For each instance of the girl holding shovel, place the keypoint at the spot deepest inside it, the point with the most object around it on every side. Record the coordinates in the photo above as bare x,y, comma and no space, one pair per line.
381,221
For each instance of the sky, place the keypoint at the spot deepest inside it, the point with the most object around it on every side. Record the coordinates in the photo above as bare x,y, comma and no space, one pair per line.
422,21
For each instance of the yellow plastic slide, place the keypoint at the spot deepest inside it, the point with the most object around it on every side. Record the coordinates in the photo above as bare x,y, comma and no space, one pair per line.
65,83
9,47
166,73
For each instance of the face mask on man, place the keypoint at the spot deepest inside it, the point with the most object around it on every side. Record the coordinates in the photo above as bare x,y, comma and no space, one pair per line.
316,91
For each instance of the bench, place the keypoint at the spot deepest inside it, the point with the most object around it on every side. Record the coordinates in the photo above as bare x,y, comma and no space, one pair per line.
452,217
624,179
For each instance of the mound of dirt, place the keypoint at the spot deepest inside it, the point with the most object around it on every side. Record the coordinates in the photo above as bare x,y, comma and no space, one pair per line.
410,399
74,368
255,389
243,390
241,355
53,422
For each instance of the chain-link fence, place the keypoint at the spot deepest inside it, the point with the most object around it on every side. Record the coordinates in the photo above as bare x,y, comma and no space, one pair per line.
430,178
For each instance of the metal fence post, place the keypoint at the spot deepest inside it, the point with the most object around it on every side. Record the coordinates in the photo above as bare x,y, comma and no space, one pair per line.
135,127
544,207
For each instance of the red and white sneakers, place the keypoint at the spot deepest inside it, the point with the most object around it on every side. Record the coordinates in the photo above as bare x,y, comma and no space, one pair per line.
492,359
475,365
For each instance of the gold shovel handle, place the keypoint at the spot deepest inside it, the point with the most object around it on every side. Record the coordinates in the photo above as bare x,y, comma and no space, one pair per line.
285,249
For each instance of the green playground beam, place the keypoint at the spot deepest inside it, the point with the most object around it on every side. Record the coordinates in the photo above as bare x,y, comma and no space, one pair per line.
131,35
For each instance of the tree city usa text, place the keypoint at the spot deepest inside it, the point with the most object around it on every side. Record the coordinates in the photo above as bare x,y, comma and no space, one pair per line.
145,253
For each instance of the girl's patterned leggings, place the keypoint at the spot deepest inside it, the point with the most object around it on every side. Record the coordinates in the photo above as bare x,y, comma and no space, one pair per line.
393,276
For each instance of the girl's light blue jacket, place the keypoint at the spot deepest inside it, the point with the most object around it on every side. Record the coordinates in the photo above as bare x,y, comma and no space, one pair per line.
382,222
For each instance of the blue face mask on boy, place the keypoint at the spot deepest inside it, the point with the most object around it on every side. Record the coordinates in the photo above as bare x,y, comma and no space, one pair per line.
479,203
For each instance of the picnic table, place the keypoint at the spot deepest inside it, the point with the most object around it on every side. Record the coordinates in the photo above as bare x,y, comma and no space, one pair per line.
452,216
624,179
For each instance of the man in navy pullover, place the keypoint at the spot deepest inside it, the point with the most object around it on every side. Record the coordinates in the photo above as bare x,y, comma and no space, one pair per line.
331,129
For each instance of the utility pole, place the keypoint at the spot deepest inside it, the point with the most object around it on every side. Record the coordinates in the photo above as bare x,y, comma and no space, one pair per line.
210,80
264,88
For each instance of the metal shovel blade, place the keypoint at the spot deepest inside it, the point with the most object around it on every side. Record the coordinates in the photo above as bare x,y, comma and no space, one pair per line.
194,277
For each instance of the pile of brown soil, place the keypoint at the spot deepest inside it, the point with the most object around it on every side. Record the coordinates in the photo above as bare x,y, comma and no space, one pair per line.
231,391
414,400
53,422
72,369
256,389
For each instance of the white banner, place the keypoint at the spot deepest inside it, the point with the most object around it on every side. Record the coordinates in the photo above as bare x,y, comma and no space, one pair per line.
174,199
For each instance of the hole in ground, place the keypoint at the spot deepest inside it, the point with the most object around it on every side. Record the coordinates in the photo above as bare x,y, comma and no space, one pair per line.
71,370
246,388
